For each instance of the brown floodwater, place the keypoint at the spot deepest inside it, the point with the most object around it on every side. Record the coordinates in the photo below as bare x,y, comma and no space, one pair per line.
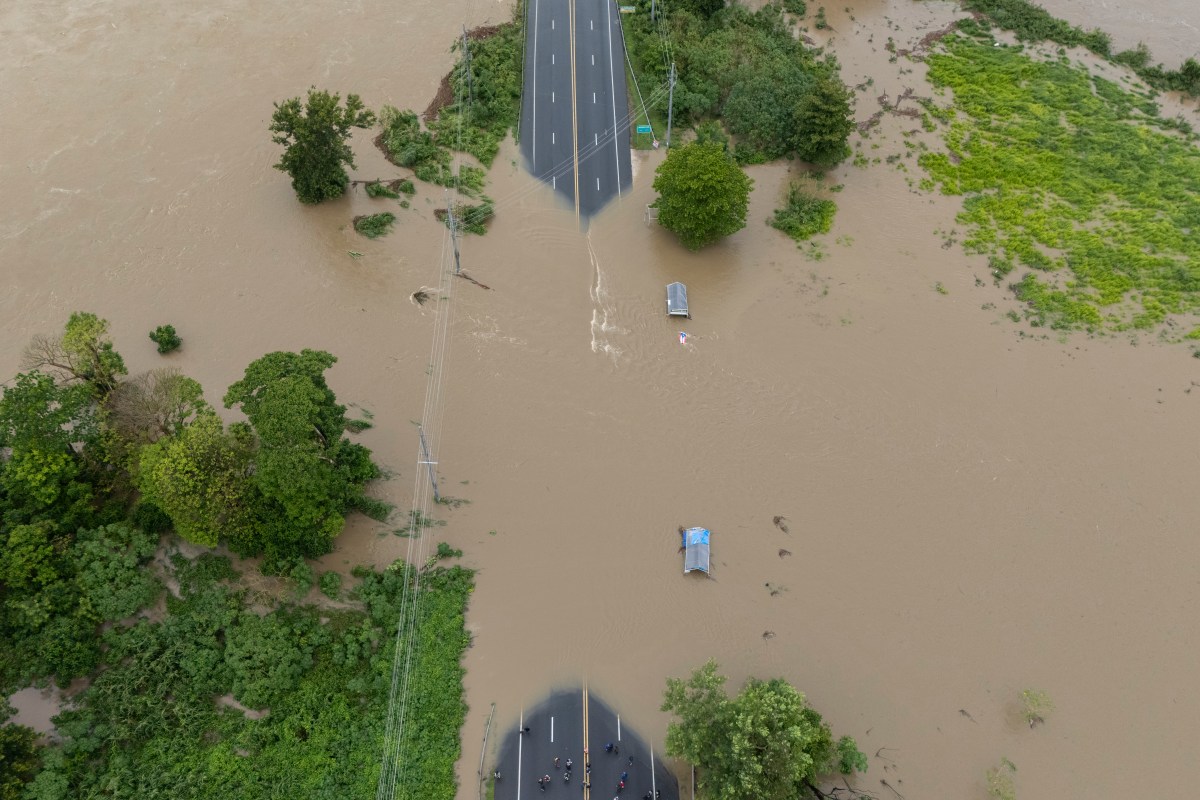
970,511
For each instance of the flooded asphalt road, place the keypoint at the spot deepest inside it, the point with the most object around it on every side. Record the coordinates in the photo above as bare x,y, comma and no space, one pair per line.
575,122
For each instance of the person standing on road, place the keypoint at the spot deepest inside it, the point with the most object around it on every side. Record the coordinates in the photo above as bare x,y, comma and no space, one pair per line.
556,762
569,763
608,748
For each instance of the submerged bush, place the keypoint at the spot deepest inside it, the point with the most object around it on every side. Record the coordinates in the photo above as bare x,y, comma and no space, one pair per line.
804,215
165,337
374,225
378,189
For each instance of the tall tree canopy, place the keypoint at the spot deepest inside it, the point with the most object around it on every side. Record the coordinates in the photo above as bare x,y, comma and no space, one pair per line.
314,136
702,194
764,744
82,353
47,426
307,473
200,478
823,122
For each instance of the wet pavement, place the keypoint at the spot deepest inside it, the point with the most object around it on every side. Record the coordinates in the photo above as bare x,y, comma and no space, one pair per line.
574,726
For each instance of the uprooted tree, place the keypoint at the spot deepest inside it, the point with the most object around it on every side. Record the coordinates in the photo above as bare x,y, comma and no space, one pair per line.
766,743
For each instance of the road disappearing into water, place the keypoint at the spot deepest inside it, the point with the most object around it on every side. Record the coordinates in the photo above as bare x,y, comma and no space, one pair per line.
574,115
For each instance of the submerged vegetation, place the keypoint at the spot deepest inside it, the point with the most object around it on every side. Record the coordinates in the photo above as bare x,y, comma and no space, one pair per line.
373,226
166,338
478,105
1066,177
804,215
1031,22
776,95
198,684
766,741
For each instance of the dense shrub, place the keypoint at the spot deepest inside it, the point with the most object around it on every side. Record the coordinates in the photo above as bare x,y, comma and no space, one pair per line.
374,225
165,337
378,189
804,215
745,68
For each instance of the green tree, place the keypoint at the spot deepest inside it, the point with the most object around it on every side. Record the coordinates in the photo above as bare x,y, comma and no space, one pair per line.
703,194
314,136
764,744
823,122
47,427
83,353
701,8
158,403
109,565
18,754
200,479
307,474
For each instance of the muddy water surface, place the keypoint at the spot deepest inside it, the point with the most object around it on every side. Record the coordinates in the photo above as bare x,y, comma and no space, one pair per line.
970,513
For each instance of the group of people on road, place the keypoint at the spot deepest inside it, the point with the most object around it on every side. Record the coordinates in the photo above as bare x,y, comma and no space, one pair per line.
613,748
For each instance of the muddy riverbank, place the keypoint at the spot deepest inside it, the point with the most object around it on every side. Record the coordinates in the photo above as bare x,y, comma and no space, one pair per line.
971,513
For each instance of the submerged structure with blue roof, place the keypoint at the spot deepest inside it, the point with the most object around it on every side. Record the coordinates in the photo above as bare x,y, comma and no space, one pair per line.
695,549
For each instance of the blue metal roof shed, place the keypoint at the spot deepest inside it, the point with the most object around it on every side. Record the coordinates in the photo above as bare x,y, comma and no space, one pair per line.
695,550
677,300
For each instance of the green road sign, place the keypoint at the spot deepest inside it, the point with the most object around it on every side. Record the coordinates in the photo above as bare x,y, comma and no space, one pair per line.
644,129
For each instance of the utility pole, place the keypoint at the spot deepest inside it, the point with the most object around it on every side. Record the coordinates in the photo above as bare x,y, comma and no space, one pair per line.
670,104
429,465
453,235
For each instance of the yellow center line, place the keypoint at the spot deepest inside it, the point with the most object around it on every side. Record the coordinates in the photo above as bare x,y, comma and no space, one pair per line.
574,116
586,757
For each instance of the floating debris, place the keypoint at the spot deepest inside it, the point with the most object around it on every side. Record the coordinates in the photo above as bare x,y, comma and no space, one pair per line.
783,552
781,523
422,296
768,635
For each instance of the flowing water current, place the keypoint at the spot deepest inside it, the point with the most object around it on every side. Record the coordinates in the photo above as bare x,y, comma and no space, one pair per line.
969,512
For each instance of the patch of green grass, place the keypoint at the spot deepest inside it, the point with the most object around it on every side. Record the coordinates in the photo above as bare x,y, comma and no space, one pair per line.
1031,22
374,225
1000,784
1063,176
804,215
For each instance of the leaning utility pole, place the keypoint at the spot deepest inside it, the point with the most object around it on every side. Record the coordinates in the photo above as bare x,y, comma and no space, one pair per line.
454,237
670,104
